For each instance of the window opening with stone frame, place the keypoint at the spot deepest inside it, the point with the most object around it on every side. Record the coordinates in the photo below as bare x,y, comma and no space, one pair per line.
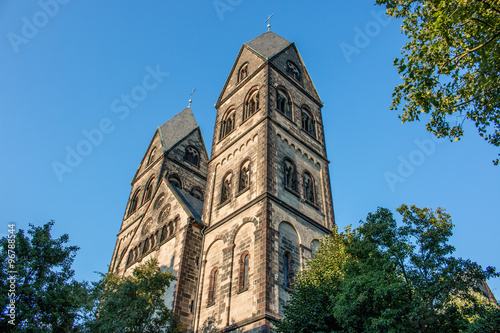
148,193
293,70
227,125
226,188
212,288
309,191
162,217
197,193
244,181
244,268
130,258
164,233
288,273
175,181
134,202
192,156
308,122
151,157
146,247
284,102
243,72
251,104
290,175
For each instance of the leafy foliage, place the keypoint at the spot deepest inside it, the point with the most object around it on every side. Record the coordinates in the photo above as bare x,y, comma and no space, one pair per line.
134,303
450,65
384,278
47,298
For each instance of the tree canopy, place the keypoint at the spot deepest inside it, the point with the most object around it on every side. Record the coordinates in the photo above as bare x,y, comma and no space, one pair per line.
45,296
450,66
381,277
134,303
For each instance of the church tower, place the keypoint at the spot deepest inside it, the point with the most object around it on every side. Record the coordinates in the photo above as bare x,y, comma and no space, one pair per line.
162,218
268,197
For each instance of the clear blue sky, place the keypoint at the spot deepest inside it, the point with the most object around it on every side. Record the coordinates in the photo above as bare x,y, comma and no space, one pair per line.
61,72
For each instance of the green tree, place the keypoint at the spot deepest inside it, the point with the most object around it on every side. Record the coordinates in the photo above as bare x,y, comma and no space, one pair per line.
47,298
384,278
133,303
450,65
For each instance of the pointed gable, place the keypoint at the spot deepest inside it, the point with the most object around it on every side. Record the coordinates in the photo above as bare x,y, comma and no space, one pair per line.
177,128
291,56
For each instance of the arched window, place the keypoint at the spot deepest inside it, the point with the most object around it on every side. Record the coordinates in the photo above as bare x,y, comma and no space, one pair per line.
175,181
164,233
159,201
251,104
284,103
197,193
309,193
290,174
244,182
151,157
170,228
308,122
149,190
145,248
227,125
212,288
293,70
244,267
162,217
192,156
130,258
134,202
243,72
287,269
226,188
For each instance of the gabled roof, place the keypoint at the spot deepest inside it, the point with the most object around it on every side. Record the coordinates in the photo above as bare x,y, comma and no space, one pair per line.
194,206
268,44
177,128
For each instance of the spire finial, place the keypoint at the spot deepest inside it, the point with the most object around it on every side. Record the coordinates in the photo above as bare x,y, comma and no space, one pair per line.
268,21
191,97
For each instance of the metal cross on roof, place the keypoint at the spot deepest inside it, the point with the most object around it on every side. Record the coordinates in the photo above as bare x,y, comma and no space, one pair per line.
191,97
268,21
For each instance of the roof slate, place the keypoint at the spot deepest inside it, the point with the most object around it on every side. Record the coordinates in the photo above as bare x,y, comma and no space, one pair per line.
268,44
194,205
177,128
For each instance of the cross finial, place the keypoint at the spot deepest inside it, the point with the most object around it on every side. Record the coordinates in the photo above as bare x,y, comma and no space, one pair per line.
268,21
191,97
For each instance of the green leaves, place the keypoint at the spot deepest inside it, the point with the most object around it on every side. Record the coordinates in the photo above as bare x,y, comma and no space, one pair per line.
385,277
134,303
47,298
450,65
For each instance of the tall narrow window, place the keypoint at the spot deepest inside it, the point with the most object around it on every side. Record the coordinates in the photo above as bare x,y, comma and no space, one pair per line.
244,176
283,103
227,125
145,248
149,191
164,233
290,174
287,269
244,266
251,104
309,188
151,157
130,258
243,73
308,122
212,286
192,156
133,203
226,188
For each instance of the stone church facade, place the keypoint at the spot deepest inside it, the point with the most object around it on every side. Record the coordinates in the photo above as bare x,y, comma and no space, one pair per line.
236,227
